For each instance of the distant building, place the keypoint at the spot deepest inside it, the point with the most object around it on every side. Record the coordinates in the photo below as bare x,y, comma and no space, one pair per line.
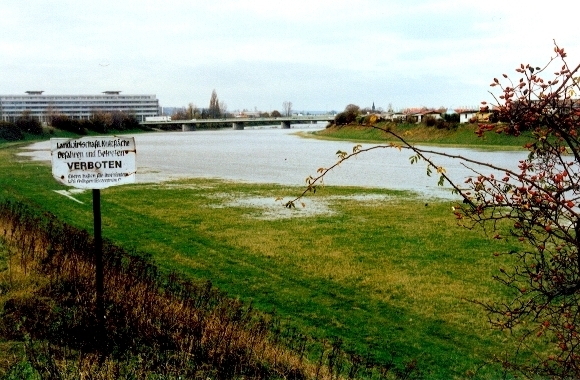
76,106
466,114
431,113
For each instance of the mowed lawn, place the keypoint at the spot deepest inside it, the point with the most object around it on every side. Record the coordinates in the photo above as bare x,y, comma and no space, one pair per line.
389,273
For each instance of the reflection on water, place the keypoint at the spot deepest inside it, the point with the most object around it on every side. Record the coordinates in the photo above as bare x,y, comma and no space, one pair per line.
274,155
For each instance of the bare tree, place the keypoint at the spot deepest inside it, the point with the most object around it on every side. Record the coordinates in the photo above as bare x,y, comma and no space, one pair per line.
223,108
191,111
180,114
287,107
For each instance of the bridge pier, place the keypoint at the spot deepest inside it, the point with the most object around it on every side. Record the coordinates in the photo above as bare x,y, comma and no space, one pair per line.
187,127
285,124
238,125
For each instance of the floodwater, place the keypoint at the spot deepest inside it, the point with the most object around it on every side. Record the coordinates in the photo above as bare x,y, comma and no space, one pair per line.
274,155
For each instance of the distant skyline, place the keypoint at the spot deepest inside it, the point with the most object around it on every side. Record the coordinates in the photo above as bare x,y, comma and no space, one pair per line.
319,54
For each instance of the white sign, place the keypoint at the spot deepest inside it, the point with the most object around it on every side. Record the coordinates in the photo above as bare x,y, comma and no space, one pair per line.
95,162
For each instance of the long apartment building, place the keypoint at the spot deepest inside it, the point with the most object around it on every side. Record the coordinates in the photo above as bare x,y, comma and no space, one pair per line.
76,106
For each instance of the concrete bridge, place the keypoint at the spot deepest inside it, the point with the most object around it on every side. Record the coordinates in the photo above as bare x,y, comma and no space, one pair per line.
241,122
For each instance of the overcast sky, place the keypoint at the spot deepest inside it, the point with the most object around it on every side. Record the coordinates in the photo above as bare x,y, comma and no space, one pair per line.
318,54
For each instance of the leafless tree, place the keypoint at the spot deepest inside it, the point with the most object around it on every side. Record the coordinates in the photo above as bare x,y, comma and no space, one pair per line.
191,111
223,108
287,107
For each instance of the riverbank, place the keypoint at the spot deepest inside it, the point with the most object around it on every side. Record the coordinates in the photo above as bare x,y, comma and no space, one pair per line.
462,135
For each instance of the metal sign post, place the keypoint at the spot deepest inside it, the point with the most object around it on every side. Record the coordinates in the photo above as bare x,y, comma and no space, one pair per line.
95,163
99,272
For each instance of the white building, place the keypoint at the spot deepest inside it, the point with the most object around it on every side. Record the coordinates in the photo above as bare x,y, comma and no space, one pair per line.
466,114
76,106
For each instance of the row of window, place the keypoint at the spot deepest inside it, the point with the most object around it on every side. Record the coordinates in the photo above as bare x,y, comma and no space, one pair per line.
96,107
68,110
88,106
59,98
4,103
87,111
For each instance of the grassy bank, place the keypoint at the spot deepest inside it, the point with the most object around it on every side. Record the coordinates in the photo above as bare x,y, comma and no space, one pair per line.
386,273
461,135
156,326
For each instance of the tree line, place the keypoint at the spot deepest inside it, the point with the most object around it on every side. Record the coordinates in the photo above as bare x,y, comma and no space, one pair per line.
218,109
353,114
99,122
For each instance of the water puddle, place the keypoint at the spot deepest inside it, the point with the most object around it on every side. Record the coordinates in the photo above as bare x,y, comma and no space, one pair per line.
267,208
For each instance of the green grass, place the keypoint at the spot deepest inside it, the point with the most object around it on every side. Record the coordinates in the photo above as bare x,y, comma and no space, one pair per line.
385,274
462,135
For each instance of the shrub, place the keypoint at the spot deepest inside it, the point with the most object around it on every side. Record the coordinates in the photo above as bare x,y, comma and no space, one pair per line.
348,116
443,124
130,122
451,117
342,118
98,123
29,124
410,119
9,132
67,124
429,121
105,122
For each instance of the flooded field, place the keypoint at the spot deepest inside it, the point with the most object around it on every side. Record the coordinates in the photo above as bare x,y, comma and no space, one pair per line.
274,155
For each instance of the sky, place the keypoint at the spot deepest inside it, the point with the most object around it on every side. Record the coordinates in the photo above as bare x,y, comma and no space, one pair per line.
321,55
